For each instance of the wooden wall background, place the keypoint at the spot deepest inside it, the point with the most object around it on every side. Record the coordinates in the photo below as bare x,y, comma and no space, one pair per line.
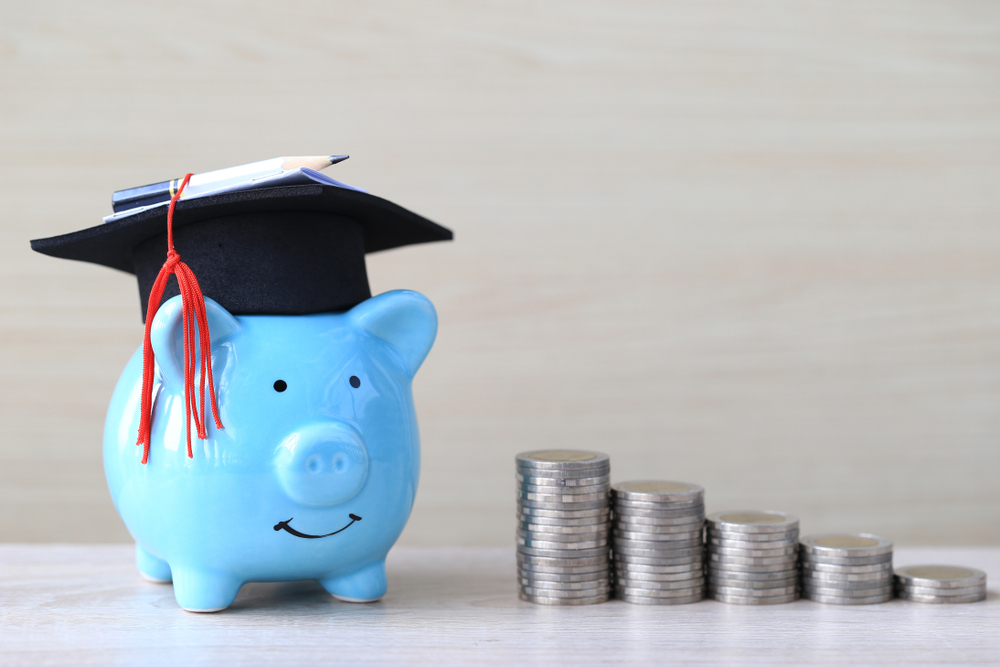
752,245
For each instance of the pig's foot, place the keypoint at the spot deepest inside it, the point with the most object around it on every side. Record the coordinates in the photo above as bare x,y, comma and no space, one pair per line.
152,568
204,591
365,585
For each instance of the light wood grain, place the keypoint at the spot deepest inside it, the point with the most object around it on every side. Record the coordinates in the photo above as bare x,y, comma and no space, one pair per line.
86,605
751,245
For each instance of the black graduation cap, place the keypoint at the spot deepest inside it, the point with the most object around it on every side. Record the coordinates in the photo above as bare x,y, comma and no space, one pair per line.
289,250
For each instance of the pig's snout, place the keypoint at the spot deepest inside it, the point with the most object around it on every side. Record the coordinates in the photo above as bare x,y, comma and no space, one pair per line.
322,464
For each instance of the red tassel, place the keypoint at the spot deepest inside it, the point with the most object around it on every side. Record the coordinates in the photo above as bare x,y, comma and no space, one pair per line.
194,315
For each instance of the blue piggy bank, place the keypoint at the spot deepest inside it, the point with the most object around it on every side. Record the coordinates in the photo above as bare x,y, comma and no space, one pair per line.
315,471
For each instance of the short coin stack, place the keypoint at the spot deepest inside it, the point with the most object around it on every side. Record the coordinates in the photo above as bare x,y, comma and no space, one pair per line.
563,518
940,584
752,557
846,568
657,542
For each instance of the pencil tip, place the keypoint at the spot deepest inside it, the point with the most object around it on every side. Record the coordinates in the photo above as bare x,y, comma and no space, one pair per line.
334,159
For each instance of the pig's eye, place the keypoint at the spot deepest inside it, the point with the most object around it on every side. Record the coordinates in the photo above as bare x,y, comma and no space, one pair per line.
280,386
355,381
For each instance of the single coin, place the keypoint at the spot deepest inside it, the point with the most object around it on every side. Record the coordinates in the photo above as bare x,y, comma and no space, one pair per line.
555,536
750,599
562,490
854,592
643,560
542,599
852,562
658,491
845,545
561,498
943,592
660,545
556,570
752,521
694,520
530,583
641,599
753,553
726,559
940,576
761,577
556,593
659,570
846,569
658,536
573,562
602,512
753,592
528,573
646,576
834,578
655,593
562,482
568,475
713,531
838,599
585,529
549,521
748,544
562,507
941,599
643,552
581,545
752,585
563,553
716,566
646,584
660,514
623,504
562,459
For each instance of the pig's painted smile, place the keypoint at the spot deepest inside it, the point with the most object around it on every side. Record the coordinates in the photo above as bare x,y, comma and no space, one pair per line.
283,525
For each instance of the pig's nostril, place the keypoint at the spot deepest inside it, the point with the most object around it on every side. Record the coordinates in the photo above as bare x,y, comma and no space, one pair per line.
339,463
314,464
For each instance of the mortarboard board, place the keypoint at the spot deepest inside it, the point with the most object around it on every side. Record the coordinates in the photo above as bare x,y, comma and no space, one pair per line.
271,251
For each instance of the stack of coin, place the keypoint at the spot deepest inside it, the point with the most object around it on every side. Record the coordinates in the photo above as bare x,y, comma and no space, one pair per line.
563,515
752,557
940,584
657,543
846,568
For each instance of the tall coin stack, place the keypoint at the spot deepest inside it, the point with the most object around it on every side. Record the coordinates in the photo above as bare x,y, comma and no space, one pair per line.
846,568
563,517
657,543
940,583
752,557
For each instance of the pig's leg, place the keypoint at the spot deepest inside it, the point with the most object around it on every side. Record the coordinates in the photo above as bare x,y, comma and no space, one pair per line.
365,585
204,590
152,568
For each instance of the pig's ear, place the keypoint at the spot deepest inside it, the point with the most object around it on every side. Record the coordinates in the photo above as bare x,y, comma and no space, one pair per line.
167,335
405,320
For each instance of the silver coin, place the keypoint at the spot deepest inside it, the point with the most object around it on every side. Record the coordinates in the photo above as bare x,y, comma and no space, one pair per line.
845,545
563,553
846,592
941,592
562,507
660,514
846,588
646,576
749,569
557,593
657,522
602,513
839,599
743,536
560,576
623,504
580,545
753,553
562,497
660,545
641,599
549,521
563,474
940,576
762,577
658,491
941,599
752,521
659,570
562,459
726,559
860,560
834,578
573,562
585,529
749,599
591,587
644,552
752,585
562,482
562,490
753,592
555,536
647,584
649,536
742,544
655,593
643,560
542,599
845,569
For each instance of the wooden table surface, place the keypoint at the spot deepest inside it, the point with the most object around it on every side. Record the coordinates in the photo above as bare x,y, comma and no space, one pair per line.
86,605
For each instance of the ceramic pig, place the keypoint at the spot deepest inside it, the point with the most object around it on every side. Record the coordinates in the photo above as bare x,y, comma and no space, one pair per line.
314,473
